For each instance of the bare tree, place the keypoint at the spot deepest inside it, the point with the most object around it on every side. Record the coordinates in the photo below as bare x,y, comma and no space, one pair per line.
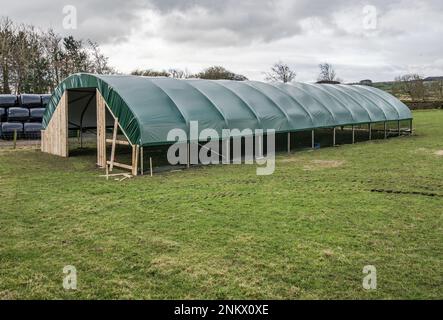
99,62
179,73
412,85
327,73
280,72
437,88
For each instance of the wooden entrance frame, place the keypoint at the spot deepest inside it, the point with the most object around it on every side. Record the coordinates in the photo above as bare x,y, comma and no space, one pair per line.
102,140
55,137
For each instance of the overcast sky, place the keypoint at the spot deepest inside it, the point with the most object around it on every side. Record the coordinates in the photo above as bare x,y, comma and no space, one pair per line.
372,39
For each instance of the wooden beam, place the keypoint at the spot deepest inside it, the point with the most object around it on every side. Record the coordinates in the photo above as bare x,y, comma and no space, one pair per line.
188,155
118,142
121,165
101,130
141,161
135,151
114,138
385,128
370,131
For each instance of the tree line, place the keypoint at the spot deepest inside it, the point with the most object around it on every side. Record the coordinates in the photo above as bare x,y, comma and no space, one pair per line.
35,61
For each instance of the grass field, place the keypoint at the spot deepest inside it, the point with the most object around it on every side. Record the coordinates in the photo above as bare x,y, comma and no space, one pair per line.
305,232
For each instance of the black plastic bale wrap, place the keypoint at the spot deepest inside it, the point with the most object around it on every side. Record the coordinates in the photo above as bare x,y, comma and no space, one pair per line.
2,114
37,114
18,114
30,101
32,130
45,100
32,127
8,100
8,128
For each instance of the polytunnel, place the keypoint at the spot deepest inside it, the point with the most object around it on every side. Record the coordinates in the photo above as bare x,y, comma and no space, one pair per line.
148,108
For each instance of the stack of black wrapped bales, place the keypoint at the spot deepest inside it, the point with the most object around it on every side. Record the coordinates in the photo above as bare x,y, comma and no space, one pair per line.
22,114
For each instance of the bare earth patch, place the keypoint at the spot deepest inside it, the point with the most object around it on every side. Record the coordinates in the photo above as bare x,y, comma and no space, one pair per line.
323,164
439,152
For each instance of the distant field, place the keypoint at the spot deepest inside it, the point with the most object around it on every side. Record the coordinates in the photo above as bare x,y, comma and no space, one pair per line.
222,232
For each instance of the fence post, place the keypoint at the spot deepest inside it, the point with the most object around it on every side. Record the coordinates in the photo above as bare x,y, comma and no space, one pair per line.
15,138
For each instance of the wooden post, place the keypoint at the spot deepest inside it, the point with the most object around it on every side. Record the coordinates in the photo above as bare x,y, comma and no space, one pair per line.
370,131
289,142
386,130
188,159
141,161
150,165
313,138
334,137
101,130
135,151
398,128
410,127
114,138
353,134
15,139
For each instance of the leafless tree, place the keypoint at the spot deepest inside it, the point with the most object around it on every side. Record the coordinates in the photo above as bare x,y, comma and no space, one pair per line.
281,72
179,73
412,85
437,88
327,73
99,62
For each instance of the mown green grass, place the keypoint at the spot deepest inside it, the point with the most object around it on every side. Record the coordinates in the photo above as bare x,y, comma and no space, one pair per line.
222,232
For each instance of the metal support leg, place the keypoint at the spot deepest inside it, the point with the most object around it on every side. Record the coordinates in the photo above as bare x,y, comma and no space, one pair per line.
313,139
289,142
334,137
353,134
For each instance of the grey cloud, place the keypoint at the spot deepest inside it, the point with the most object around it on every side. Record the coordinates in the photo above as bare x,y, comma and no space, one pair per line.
100,20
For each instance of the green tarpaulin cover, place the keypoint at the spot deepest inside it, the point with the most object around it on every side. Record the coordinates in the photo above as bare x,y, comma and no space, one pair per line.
148,108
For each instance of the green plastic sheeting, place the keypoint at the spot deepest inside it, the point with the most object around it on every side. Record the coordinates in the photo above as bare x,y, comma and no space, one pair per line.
148,108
